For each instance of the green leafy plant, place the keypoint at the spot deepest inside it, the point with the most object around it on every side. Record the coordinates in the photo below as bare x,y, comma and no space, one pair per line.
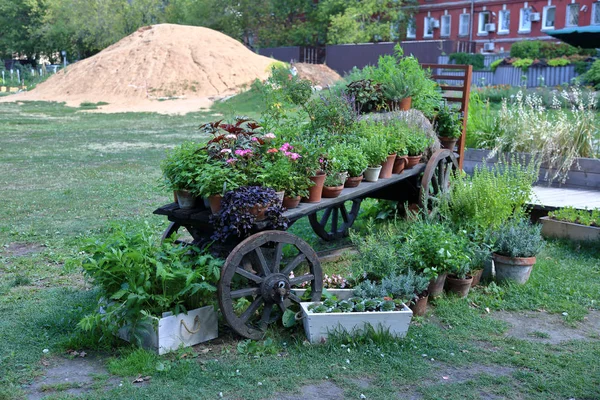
181,168
417,142
356,304
573,215
495,64
592,76
139,277
367,95
216,177
335,179
558,62
448,122
476,60
374,143
518,238
523,63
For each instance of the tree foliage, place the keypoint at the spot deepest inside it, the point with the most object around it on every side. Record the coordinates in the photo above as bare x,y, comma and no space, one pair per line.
84,27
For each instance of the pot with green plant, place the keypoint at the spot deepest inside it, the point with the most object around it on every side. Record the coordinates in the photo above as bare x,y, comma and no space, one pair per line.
181,173
391,143
448,125
217,178
516,245
459,280
298,187
276,175
416,144
334,184
374,148
356,163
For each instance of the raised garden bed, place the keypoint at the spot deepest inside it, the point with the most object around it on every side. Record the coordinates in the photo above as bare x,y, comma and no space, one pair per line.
553,228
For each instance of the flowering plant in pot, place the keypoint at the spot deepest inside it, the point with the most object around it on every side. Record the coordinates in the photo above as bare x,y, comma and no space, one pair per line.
181,172
242,208
416,143
516,244
448,125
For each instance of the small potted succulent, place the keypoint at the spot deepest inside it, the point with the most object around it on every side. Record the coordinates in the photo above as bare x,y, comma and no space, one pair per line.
516,244
375,150
449,126
416,143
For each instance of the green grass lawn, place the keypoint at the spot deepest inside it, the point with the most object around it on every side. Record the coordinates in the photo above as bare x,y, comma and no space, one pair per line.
67,174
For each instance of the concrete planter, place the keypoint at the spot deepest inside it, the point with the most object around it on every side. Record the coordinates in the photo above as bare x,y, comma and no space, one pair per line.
318,326
568,230
171,332
340,294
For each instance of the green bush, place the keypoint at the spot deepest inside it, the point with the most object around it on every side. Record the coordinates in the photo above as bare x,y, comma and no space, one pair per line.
476,60
558,62
592,77
536,49
518,238
494,64
523,63
525,49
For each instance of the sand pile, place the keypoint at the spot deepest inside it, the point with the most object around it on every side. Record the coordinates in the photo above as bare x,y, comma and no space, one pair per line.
319,74
162,68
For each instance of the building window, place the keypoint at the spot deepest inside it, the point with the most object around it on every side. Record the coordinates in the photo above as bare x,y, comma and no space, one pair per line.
428,28
596,13
504,21
445,25
573,14
463,24
484,18
411,29
548,17
525,20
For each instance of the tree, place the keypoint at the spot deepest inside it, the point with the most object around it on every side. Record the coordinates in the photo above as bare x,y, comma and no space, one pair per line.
18,20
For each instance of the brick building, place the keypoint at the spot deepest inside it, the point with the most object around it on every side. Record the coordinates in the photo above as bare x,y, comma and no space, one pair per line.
494,25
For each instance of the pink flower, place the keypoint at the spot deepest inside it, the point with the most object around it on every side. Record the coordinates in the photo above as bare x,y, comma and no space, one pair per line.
231,160
294,156
254,139
286,147
226,151
243,153
269,135
239,152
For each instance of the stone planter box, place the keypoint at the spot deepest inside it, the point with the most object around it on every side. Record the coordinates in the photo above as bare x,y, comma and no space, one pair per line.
587,176
567,230
340,294
318,326
171,332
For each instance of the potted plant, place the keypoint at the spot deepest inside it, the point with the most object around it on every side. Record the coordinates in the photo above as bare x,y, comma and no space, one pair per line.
459,280
397,145
516,244
242,208
368,96
320,318
356,165
217,177
181,173
374,148
276,175
298,187
448,125
172,304
310,163
334,184
482,255
416,143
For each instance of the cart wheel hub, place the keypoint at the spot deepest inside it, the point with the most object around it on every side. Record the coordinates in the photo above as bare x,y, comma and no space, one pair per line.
275,288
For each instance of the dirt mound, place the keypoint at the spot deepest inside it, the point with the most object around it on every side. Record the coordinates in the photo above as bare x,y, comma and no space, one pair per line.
319,74
187,65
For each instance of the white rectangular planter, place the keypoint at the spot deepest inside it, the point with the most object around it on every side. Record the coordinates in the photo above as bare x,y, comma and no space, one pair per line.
317,325
169,333
340,294
568,230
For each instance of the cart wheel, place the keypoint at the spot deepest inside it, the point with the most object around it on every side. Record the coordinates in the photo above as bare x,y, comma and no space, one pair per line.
329,227
255,279
436,178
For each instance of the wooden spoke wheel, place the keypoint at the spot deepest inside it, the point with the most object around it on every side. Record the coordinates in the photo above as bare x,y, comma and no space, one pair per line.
256,280
335,222
436,178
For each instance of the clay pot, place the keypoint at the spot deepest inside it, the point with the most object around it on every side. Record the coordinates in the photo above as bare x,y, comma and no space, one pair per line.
476,277
259,210
331,192
215,203
353,181
387,166
185,199
411,161
420,306
315,191
405,104
291,202
436,286
458,286
399,164
372,174
448,142
516,269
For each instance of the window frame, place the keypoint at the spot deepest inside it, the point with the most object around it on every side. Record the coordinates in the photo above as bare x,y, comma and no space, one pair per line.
501,16
545,18
461,24
481,23
412,23
449,18
568,14
427,24
521,18
595,9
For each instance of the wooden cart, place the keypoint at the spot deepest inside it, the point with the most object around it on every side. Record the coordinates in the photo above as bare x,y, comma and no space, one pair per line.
263,268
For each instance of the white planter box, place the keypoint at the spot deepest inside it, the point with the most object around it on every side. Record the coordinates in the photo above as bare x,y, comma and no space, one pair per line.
317,326
169,333
340,294
568,230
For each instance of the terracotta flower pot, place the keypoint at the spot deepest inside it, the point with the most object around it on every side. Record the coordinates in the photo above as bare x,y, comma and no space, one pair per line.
405,104
448,142
215,203
387,166
476,277
399,164
372,174
420,306
436,286
315,191
291,202
516,269
412,161
459,286
353,181
185,199
331,192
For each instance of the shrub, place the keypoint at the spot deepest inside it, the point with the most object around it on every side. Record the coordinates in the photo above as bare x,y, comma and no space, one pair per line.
494,64
523,63
476,60
526,49
536,49
518,238
592,76
558,62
